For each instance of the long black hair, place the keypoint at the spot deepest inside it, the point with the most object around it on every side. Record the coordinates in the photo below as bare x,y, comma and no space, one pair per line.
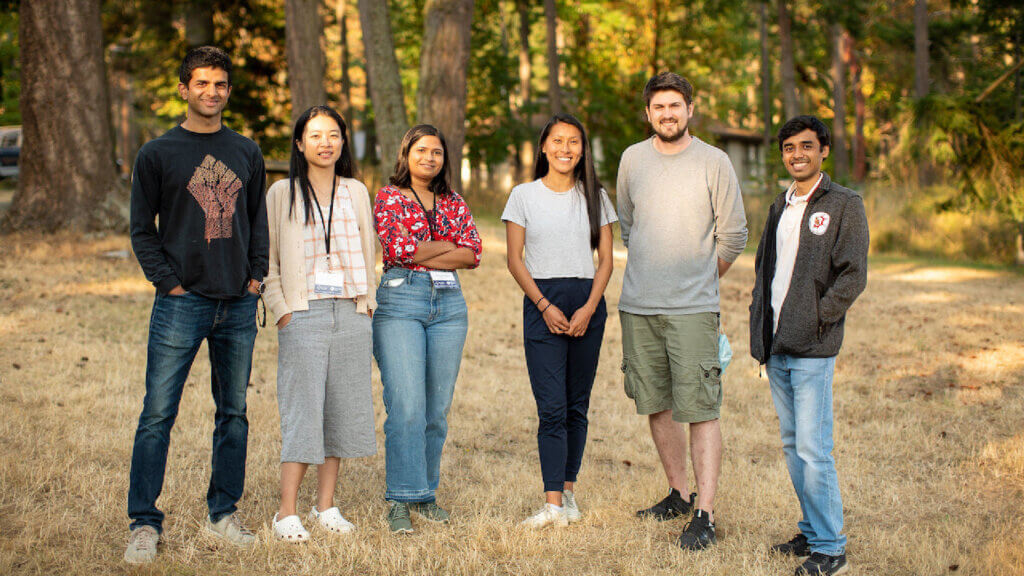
586,176
298,169
440,184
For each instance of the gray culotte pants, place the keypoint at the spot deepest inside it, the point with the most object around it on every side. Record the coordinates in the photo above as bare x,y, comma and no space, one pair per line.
323,383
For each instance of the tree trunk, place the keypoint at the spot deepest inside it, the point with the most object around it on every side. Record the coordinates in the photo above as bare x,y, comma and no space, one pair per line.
199,23
67,178
860,159
766,95
303,29
525,163
345,60
921,55
554,87
383,79
444,61
787,73
1019,256
840,161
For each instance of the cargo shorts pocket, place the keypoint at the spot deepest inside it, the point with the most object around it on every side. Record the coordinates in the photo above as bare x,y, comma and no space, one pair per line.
711,383
629,377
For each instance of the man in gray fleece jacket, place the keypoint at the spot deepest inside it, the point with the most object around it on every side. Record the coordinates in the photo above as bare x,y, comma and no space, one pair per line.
811,265
682,219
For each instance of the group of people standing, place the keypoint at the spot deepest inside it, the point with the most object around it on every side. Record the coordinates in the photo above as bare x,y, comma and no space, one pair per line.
308,247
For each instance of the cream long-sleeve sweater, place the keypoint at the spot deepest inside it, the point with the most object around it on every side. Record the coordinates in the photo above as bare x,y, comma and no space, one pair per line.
286,281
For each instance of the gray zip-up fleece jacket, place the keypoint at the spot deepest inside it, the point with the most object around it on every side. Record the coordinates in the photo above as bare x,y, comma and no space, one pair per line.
830,272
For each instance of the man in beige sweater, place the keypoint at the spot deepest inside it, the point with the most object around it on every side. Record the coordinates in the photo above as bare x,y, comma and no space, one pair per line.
682,219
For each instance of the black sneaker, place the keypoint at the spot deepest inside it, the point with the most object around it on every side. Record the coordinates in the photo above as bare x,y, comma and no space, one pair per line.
671,506
822,565
798,546
699,532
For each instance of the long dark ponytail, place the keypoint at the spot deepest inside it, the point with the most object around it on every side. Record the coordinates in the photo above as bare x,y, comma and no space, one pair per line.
586,176
298,169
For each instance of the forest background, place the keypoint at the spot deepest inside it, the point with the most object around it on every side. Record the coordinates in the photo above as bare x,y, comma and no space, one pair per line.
923,98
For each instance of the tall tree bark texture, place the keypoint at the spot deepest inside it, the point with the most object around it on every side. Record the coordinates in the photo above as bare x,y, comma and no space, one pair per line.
303,29
67,178
384,81
787,66
344,59
554,86
921,48
198,23
766,93
444,60
525,162
840,160
860,159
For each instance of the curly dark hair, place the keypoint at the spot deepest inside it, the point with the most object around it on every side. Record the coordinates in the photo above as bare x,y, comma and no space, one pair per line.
204,57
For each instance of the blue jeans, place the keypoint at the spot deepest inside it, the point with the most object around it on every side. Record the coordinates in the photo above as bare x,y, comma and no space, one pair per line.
177,327
418,334
802,392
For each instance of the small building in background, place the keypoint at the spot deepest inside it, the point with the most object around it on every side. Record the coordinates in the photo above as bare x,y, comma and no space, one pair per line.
746,149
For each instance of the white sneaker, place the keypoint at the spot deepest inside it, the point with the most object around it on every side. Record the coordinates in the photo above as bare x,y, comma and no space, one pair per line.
572,512
290,529
549,515
230,528
332,520
142,545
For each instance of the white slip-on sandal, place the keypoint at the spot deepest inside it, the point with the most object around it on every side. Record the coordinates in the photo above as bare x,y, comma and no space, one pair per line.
290,529
332,520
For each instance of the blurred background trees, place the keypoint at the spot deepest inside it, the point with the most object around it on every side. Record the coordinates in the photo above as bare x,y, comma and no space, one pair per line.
923,96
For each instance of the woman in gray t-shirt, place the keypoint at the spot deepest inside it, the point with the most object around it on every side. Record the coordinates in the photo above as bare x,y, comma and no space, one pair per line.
559,220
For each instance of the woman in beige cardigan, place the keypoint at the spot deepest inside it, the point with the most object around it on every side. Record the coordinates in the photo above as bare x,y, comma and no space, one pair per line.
319,291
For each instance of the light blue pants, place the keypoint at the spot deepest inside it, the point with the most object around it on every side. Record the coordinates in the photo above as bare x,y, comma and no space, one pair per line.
418,335
802,392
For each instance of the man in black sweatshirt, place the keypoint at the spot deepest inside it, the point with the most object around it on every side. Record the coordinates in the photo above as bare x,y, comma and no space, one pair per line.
811,265
207,259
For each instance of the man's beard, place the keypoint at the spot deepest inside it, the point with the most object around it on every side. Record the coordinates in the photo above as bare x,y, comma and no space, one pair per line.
665,137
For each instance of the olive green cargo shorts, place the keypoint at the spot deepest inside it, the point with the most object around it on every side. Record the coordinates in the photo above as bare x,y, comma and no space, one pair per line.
670,362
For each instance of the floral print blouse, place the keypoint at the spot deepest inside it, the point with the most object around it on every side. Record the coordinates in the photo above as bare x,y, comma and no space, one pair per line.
452,222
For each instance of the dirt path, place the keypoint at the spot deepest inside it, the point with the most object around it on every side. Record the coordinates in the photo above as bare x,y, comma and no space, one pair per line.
929,438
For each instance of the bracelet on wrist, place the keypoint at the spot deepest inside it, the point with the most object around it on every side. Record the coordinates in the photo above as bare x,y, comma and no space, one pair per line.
546,307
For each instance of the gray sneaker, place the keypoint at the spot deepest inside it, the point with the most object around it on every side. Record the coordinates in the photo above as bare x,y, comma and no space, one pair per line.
572,511
398,518
430,511
142,544
231,529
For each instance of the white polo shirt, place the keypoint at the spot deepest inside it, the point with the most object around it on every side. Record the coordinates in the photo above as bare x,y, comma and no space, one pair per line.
787,241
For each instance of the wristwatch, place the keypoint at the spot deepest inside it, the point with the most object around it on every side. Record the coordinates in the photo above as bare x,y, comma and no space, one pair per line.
261,288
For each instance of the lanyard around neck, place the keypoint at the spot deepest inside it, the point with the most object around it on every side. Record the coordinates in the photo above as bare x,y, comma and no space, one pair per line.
426,214
327,224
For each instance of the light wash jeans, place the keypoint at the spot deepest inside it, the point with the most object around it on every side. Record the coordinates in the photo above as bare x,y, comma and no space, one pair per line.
802,392
418,335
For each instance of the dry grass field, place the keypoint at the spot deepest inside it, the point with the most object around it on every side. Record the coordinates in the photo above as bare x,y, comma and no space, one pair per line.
929,438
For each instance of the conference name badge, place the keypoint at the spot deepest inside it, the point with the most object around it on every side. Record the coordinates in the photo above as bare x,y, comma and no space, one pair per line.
331,283
443,279
818,223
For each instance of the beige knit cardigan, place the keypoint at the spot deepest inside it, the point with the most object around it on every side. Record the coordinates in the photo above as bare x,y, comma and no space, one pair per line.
286,281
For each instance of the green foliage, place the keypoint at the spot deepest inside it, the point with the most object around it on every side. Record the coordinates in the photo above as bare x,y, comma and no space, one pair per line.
10,82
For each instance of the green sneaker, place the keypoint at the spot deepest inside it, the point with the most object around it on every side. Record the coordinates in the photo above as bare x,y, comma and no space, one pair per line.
430,511
398,518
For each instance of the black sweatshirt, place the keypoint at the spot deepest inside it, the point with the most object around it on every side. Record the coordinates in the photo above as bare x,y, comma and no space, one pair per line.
830,271
208,191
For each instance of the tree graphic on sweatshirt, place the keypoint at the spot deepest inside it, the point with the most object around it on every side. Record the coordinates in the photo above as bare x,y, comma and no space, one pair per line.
216,188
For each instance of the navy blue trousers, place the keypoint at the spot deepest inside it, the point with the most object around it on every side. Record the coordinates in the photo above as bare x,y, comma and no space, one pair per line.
562,371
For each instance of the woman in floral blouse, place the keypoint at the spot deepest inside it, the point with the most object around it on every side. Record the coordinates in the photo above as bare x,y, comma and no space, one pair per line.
419,327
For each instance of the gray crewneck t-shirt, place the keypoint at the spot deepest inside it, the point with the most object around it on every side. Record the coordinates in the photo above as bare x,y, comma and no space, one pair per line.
678,213
557,229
